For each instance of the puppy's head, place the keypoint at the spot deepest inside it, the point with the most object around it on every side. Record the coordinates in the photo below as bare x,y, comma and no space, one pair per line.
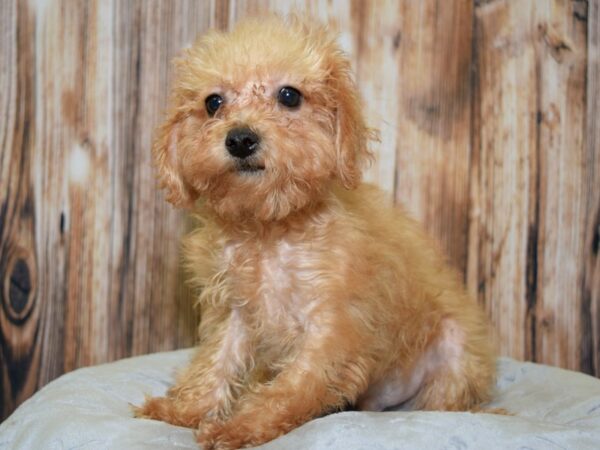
261,121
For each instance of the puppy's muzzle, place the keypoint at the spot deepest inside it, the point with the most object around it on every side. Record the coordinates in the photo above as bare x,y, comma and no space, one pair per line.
241,142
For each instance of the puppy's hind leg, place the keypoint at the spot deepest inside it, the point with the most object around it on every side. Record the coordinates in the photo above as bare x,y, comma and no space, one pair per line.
463,376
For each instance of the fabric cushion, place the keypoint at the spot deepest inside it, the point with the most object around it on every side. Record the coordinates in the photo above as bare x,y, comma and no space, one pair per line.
89,409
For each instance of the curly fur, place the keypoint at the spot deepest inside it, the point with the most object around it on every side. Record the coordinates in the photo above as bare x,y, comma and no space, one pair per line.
316,295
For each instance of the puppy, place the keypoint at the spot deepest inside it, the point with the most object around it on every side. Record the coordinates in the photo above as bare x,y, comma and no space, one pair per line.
315,295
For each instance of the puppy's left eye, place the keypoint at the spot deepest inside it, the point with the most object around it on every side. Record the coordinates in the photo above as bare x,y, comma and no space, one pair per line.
289,96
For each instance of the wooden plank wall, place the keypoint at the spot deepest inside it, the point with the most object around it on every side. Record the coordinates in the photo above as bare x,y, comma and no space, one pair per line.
488,112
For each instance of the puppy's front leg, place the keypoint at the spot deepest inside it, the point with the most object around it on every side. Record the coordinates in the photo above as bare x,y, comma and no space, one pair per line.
207,387
328,373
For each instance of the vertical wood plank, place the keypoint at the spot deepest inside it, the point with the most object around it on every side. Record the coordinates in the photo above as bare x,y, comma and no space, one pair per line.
73,163
126,68
19,300
503,176
219,14
590,299
50,182
564,182
433,138
376,40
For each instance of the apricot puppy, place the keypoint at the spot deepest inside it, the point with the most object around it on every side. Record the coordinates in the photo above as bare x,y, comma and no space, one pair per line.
315,294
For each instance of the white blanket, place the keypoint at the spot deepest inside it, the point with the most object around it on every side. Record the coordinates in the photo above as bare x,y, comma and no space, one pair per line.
89,409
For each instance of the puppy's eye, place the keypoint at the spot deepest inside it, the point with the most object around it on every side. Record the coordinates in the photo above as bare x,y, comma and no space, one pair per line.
290,97
212,103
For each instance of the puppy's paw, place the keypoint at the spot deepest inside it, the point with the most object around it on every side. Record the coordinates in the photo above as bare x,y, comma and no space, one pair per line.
170,411
152,408
221,436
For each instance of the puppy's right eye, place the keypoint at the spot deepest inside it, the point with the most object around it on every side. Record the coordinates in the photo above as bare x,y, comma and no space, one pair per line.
212,103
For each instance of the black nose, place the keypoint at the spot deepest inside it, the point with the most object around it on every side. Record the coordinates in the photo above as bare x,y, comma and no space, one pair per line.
241,142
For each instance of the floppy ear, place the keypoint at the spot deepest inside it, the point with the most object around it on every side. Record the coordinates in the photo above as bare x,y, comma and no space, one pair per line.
164,151
351,131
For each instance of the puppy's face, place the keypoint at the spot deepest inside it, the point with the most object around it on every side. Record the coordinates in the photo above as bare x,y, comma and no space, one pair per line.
262,120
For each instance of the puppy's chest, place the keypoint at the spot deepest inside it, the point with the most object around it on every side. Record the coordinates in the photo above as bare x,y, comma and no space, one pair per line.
276,283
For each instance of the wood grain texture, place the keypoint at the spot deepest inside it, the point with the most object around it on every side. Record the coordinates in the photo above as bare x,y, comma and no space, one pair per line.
590,297
502,221
530,178
20,316
433,142
563,180
489,135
